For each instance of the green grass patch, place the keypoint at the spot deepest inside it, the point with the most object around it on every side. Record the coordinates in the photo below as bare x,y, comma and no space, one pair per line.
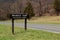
30,34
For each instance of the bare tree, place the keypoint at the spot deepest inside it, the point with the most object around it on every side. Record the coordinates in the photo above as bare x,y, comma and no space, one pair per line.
47,6
20,5
40,9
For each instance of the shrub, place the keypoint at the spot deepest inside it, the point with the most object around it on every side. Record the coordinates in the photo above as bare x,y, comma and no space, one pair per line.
29,10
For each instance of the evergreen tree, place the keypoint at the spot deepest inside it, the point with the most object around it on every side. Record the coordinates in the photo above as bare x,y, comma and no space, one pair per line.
57,6
29,10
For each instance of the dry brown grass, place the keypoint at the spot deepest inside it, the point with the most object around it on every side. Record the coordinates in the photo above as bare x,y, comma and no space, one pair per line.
45,19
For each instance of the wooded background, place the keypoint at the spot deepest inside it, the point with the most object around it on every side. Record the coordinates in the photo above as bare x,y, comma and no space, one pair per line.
34,7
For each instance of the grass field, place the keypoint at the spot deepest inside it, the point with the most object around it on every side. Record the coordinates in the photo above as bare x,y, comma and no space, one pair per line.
30,34
43,20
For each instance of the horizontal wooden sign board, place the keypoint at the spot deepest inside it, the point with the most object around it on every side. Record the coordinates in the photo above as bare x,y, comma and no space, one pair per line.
18,16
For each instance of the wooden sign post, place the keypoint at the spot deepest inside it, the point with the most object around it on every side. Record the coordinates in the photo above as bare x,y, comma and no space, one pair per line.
18,16
12,26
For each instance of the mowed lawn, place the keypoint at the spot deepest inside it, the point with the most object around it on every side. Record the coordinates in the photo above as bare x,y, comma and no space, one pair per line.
30,34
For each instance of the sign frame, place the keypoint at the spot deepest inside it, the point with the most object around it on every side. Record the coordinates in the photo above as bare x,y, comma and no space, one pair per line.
19,16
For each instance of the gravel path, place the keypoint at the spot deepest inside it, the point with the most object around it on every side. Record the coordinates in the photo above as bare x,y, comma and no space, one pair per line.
45,27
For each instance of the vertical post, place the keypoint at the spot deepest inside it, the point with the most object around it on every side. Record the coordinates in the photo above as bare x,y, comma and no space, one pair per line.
12,26
25,24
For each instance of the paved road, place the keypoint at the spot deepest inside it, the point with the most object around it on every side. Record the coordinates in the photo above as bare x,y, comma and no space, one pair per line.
45,27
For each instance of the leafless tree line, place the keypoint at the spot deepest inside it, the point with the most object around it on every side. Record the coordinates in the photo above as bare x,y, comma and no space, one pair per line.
18,7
